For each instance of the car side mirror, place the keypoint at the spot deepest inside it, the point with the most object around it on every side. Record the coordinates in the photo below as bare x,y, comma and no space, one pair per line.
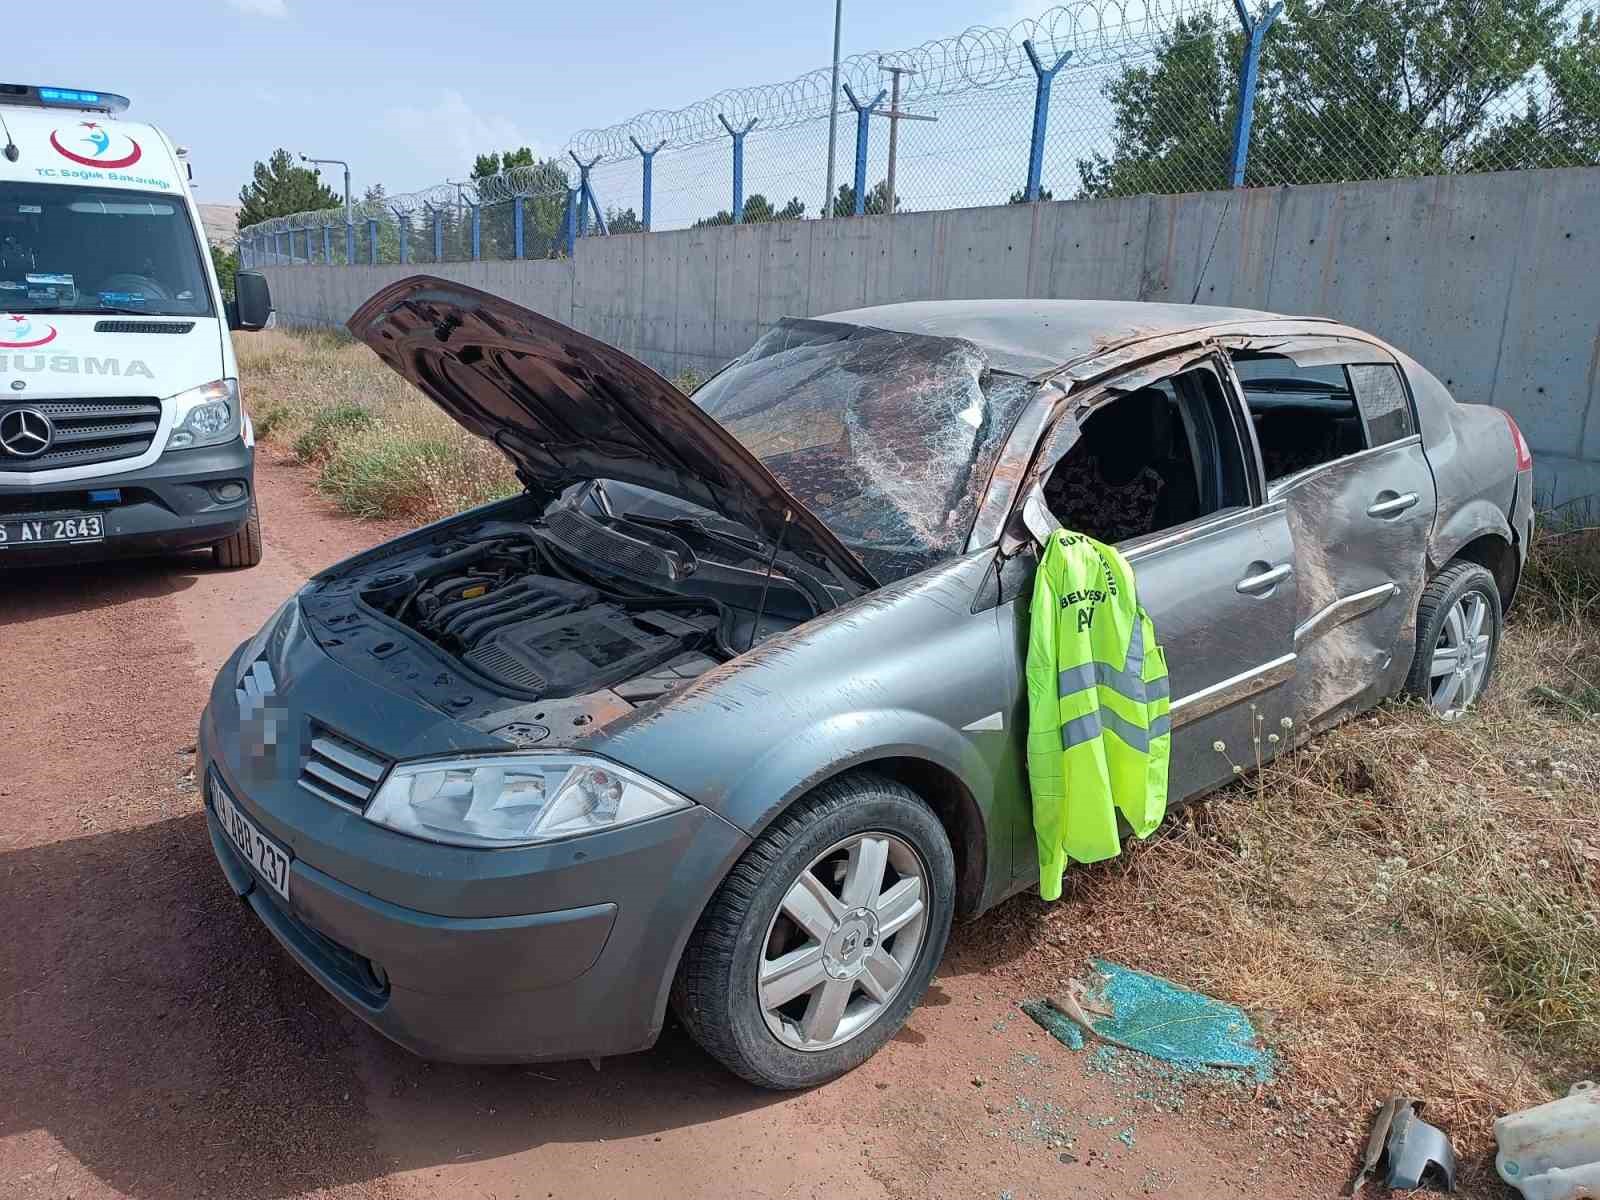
1031,521
252,304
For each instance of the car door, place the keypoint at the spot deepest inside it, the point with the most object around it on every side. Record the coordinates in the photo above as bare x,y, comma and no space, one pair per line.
1220,589
1360,521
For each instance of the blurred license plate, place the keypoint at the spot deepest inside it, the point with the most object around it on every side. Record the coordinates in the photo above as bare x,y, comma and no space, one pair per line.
28,531
271,863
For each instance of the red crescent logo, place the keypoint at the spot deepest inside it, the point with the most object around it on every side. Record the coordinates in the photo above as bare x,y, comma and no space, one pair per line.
107,164
49,337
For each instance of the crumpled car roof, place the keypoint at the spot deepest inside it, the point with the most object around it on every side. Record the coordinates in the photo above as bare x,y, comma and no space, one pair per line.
1032,336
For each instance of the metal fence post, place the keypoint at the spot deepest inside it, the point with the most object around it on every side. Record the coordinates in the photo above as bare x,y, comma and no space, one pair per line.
1044,77
863,115
327,245
516,227
372,241
403,227
477,231
1255,32
569,221
738,165
277,249
586,200
649,157
349,243
438,233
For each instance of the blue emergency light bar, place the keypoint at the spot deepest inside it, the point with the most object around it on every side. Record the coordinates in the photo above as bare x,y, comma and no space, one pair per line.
58,97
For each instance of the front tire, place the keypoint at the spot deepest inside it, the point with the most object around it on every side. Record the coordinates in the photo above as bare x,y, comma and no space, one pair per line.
242,549
823,937
1458,638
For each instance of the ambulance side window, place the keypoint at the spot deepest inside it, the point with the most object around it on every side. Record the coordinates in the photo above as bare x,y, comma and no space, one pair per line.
1150,460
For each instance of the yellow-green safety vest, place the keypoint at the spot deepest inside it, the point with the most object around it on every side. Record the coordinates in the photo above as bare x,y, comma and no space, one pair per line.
1099,733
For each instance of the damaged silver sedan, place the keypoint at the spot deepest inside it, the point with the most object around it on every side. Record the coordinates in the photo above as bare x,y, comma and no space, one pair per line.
725,712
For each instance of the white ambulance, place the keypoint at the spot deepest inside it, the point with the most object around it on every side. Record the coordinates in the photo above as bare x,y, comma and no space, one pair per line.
121,430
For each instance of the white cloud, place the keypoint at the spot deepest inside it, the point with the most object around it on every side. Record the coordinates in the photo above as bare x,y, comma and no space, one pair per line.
260,8
444,137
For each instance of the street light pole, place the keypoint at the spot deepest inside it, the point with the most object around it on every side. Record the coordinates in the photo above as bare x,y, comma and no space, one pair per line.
833,106
335,162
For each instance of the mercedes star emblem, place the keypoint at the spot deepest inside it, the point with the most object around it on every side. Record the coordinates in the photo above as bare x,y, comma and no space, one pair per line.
25,432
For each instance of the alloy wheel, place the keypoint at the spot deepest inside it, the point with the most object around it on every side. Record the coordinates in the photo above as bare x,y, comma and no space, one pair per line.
843,942
1460,656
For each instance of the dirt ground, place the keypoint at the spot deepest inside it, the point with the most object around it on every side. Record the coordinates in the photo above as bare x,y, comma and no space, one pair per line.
155,1042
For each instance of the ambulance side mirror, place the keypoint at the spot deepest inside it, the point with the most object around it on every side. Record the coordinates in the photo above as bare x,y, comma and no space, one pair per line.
252,306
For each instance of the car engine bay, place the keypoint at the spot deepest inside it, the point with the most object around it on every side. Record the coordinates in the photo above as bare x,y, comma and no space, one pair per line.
569,618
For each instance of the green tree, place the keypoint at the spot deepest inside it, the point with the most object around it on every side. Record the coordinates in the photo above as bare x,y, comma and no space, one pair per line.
623,220
844,203
1355,89
492,164
758,209
1020,196
226,263
279,188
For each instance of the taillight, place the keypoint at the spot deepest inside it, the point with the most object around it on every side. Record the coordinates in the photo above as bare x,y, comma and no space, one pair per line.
1524,455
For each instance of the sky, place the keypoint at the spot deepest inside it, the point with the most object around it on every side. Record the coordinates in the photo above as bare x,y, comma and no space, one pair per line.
410,92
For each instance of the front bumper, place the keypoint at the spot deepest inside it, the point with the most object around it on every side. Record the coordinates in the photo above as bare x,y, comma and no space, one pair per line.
560,951
163,508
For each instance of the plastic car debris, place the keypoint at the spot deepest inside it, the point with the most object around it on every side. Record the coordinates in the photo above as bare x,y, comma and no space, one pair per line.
1552,1151
1151,1015
1414,1153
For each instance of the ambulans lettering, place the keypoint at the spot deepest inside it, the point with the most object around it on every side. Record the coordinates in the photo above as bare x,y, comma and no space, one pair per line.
72,364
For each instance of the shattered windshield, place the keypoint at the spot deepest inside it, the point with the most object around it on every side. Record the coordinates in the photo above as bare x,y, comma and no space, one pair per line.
888,437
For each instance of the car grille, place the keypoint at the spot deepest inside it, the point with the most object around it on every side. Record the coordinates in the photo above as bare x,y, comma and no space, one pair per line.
340,771
90,431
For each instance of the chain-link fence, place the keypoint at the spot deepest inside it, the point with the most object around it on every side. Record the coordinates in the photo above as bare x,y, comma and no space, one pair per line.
1094,98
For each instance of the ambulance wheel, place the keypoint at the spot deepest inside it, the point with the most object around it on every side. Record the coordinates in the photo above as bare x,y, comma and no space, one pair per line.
823,937
242,549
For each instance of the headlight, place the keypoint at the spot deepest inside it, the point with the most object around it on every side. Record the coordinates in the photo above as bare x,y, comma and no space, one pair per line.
516,800
206,416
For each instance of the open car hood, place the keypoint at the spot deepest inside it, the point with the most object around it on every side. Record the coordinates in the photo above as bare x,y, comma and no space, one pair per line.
566,408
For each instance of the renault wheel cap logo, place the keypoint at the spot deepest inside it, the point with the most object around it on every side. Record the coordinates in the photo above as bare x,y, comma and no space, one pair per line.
25,432
102,148
17,332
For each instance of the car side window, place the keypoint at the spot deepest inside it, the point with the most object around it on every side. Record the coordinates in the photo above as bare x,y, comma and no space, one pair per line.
1303,416
1381,395
1151,459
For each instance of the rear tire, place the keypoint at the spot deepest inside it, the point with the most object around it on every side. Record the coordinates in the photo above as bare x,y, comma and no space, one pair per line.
1458,639
852,860
242,549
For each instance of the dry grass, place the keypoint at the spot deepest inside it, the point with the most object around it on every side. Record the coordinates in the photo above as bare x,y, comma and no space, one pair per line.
379,448
1407,905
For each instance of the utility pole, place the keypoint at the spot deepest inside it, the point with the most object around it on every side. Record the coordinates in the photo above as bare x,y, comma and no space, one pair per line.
895,116
833,106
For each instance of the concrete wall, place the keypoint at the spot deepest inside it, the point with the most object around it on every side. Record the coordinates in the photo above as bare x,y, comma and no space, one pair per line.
1491,280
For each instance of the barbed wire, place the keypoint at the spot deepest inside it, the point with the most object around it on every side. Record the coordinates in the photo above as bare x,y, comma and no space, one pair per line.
1095,31
983,56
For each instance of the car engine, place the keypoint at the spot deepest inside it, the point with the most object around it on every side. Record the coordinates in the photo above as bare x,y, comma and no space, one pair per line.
512,611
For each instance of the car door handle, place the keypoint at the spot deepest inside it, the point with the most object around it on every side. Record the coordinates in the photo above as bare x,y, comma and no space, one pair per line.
1390,504
1265,581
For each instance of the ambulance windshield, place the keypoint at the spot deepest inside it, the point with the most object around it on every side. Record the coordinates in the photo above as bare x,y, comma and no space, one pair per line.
67,249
